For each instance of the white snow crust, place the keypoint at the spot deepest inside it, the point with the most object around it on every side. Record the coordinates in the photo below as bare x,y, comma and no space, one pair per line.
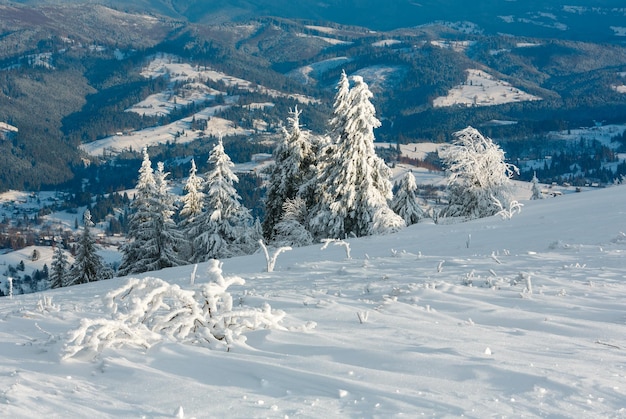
491,318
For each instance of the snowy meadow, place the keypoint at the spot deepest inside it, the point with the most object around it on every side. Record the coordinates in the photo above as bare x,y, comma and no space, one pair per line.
523,317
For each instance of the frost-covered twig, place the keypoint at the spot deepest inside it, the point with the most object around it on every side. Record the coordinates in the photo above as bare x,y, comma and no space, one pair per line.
193,274
608,344
362,315
515,207
271,261
337,242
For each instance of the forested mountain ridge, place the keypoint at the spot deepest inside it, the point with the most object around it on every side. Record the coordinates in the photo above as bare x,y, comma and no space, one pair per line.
68,72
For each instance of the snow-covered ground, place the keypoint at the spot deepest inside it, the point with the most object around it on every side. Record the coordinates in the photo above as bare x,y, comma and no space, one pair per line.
490,318
482,89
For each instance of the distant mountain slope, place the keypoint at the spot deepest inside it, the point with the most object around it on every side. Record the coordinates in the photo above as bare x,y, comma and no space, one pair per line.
576,19
69,69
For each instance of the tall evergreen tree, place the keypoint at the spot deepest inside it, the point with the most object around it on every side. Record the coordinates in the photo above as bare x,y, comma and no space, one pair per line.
88,265
59,265
168,238
293,167
193,198
140,221
153,241
222,230
192,206
353,183
478,177
405,203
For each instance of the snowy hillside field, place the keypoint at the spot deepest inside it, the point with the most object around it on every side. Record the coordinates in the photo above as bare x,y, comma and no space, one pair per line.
510,318
482,89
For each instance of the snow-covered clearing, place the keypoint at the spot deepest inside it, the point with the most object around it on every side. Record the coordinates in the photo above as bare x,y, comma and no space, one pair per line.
620,88
458,46
517,318
178,71
386,43
177,132
7,127
601,133
482,89
191,88
331,41
381,77
305,73
619,30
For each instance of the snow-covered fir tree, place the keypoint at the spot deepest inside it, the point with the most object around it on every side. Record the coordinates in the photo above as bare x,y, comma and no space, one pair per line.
352,182
291,230
140,221
88,265
169,239
58,268
224,228
294,161
535,189
193,197
153,240
192,205
479,179
405,203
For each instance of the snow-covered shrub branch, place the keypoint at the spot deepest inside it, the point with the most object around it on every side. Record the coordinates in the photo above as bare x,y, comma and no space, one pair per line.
337,242
271,260
507,213
145,311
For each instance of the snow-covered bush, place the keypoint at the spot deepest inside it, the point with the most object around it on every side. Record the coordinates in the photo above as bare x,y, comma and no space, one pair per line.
145,311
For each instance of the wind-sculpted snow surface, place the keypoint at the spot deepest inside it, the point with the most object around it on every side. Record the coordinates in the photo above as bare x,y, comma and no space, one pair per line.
524,317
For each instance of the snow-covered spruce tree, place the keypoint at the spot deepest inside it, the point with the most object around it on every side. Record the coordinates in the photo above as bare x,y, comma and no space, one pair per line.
192,206
224,228
405,203
290,231
169,239
352,182
153,241
293,167
536,189
88,265
58,268
478,176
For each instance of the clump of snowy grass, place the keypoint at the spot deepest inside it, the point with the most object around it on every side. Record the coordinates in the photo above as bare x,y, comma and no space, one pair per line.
45,305
146,311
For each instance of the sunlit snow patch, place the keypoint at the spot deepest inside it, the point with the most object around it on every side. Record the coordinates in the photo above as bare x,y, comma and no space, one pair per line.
481,89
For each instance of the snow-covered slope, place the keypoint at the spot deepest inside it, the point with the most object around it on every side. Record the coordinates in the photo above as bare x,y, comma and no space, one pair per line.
518,318
482,89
